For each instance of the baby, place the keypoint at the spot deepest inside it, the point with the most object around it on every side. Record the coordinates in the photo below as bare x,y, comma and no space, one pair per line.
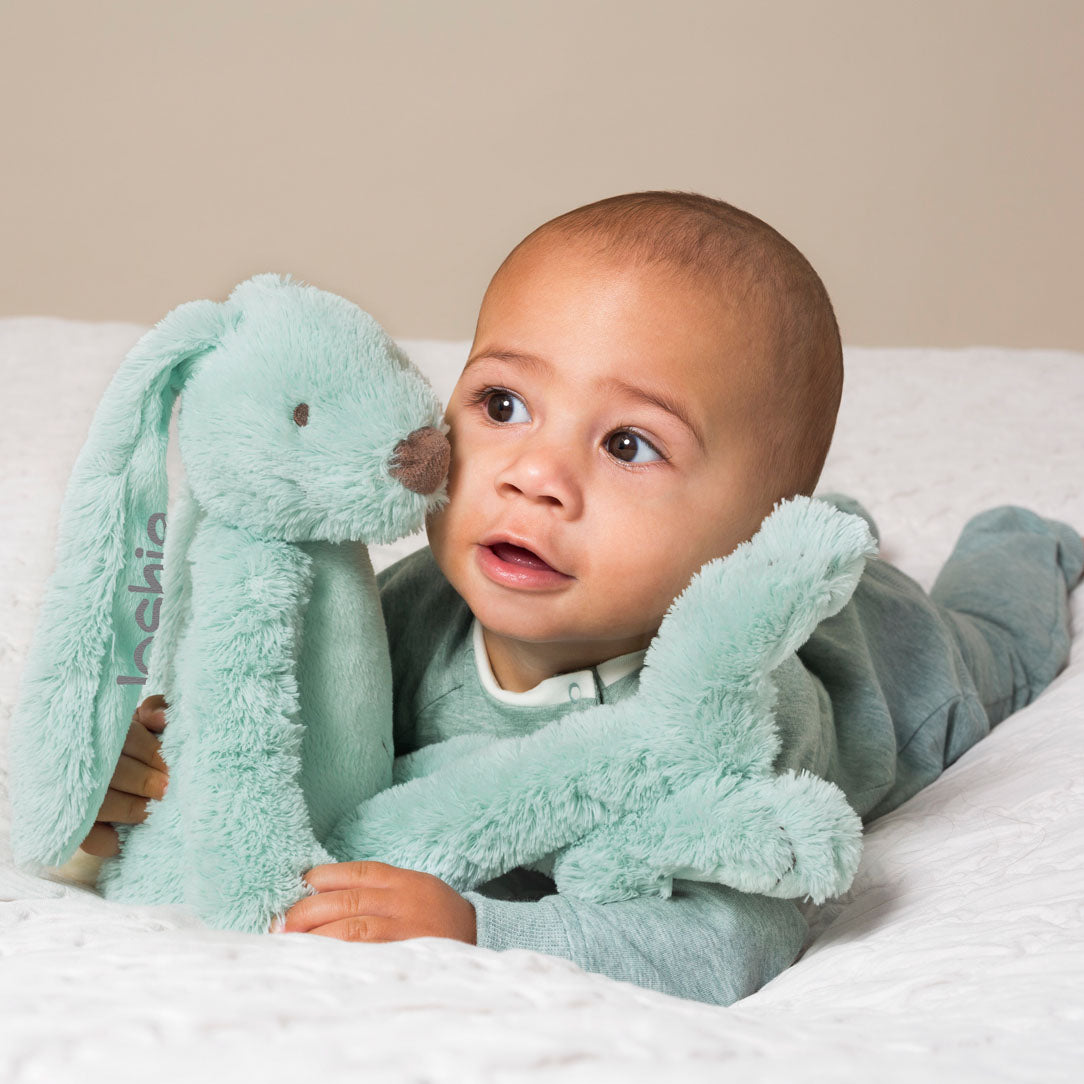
649,375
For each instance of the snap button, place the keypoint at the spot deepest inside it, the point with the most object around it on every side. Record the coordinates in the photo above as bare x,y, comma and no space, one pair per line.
574,691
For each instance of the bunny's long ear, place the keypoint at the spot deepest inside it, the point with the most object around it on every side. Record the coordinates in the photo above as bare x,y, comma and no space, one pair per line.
741,615
87,663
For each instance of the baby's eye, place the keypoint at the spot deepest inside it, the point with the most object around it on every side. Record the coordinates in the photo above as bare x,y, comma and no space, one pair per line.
630,447
503,406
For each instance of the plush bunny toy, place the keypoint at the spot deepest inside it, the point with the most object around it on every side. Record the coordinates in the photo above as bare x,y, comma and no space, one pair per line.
305,434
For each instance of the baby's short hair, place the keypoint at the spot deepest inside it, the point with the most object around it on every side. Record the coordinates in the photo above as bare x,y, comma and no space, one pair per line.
709,240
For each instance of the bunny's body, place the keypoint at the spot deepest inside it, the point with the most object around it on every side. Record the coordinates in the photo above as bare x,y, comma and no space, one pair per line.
305,435
340,685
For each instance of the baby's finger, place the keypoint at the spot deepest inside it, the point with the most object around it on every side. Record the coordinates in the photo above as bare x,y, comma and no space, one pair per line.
152,712
121,808
102,841
336,875
327,907
370,928
134,777
142,745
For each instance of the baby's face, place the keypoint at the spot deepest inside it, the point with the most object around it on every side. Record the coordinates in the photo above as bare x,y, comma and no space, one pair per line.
603,449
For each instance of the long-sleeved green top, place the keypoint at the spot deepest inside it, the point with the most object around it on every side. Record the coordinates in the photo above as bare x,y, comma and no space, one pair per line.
881,698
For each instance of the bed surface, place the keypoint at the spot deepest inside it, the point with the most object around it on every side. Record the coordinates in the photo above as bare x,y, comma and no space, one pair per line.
957,955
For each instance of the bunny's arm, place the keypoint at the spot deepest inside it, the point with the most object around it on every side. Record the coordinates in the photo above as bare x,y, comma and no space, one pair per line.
431,758
791,835
511,802
248,834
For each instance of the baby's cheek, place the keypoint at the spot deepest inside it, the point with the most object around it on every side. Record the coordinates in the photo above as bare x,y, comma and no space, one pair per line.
437,530
668,575
637,591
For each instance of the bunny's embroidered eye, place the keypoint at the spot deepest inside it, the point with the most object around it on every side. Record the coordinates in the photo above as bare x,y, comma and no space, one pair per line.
301,413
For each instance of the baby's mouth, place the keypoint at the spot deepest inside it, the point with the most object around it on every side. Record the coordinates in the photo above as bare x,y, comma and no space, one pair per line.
514,566
517,555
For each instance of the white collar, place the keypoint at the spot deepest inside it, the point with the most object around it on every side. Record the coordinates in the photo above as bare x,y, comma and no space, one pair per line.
559,689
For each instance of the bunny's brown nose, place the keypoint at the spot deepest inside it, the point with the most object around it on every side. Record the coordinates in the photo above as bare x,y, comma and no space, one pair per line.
421,461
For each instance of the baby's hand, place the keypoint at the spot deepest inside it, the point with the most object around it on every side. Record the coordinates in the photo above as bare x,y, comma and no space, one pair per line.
372,901
141,773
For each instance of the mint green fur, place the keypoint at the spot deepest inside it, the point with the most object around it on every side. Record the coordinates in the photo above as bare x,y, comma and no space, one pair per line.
677,781
271,649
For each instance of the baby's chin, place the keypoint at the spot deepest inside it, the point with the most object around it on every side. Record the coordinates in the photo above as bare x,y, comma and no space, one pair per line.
536,620
524,618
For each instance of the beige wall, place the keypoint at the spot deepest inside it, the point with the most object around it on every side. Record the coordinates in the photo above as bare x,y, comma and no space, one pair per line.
925,154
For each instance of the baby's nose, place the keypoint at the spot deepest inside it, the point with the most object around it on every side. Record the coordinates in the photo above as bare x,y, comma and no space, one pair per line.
421,461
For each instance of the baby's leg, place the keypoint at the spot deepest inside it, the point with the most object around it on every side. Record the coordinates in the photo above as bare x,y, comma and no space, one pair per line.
915,679
1004,594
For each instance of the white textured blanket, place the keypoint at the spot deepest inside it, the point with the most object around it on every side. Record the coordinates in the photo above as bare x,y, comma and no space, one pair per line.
957,955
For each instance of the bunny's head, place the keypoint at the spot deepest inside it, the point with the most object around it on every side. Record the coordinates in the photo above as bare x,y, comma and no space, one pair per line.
304,421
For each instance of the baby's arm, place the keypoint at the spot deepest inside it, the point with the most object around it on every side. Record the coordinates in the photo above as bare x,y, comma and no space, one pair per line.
706,942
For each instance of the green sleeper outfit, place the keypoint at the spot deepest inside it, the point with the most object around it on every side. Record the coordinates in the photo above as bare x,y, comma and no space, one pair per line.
881,698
